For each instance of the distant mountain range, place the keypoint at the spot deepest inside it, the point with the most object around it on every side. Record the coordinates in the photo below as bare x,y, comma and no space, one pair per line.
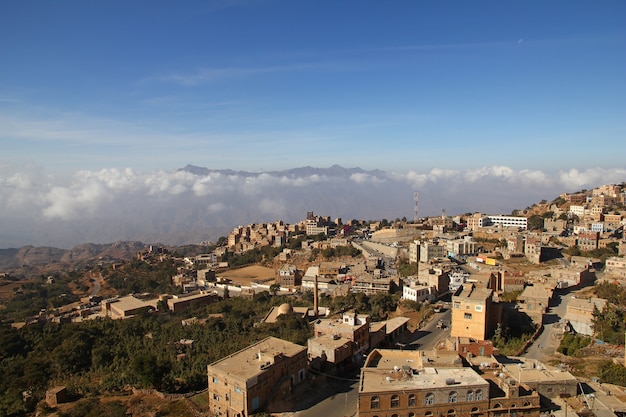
86,253
333,171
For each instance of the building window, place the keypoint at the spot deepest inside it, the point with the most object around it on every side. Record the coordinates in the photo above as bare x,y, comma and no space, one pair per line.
412,400
526,404
467,316
456,304
451,412
429,399
375,402
395,401
478,308
237,390
497,405
428,413
470,395
474,409
452,397
479,395
411,414
215,380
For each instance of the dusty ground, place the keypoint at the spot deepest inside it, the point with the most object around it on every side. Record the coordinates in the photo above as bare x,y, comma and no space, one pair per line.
247,274
139,405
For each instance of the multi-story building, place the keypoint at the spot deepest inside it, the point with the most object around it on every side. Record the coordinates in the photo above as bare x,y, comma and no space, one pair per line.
476,221
616,267
431,250
370,284
247,381
508,221
338,341
289,276
472,313
588,241
417,291
397,383
404,383
457,279
178,303
459,248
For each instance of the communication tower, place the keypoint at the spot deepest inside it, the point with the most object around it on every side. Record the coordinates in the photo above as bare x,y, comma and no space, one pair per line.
415,216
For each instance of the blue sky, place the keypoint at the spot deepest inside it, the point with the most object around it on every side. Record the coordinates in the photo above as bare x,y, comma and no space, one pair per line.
265,85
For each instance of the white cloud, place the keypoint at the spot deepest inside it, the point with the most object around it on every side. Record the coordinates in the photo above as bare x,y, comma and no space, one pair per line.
114,204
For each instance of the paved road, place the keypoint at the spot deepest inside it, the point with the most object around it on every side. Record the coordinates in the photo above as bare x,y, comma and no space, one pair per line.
548,341
341,400
427,336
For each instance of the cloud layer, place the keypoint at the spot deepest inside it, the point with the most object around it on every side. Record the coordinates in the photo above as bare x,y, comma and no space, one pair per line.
178,207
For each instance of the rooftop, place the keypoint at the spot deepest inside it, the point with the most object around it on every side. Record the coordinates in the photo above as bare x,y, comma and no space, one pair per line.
406,377
253,360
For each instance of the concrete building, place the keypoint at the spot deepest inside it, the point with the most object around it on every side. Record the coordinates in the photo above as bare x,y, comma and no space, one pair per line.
457,279
183,301
549,382
431,250
460,248
419,292
125,307
580,314
508,221
473,314
247,381
339,342
418,383
370,284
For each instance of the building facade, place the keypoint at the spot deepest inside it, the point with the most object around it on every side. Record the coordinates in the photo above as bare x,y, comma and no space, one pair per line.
247,381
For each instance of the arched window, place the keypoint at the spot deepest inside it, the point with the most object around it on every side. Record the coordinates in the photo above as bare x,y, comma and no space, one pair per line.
478,395
429,399
497,405
394,415
412,400
474,409
451,412
428,413
452,397
526,404
470,395
375,402
395,401
411,414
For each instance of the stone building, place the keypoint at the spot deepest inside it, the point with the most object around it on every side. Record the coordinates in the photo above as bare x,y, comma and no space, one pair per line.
249,380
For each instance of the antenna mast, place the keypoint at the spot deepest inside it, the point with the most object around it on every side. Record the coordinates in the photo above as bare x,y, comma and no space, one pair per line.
416,217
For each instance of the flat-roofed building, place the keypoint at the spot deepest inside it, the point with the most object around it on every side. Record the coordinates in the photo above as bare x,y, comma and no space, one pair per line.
400,383
125,307
534,301
472,313
579,313
181,302
369,284
247,381
549,382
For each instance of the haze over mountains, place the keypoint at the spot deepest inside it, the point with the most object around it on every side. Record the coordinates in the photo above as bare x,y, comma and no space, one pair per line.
194,203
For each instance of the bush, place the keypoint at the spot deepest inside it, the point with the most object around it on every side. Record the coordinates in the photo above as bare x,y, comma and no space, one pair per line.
572,343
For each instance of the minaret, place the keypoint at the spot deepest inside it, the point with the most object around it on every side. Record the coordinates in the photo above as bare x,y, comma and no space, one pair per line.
315,297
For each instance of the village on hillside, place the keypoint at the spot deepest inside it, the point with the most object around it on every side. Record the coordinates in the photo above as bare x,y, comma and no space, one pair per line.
469,315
